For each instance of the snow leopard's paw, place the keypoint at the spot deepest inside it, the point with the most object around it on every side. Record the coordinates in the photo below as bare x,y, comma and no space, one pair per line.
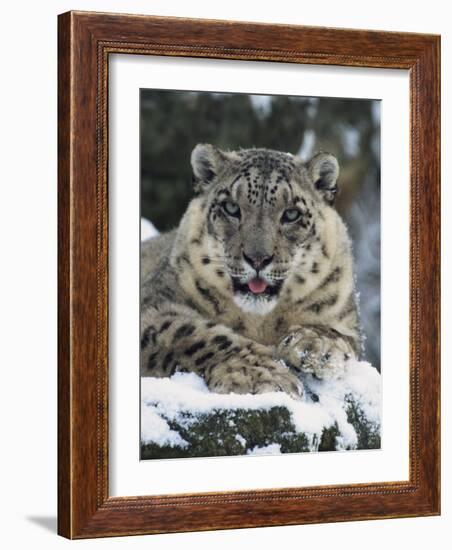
312,350
254,374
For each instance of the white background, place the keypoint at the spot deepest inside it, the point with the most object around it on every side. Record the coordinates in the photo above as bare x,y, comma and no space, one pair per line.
127,475
28,270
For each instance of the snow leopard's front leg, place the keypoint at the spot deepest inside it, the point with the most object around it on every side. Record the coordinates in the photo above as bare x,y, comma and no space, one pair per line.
318,350
176,340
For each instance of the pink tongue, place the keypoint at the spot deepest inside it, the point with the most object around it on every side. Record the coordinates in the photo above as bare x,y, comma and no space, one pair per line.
257,286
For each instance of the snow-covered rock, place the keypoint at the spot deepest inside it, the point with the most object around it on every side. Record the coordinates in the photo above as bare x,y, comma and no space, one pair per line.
180,417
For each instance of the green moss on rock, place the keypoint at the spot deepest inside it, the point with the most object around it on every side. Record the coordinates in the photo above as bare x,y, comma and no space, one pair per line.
368,432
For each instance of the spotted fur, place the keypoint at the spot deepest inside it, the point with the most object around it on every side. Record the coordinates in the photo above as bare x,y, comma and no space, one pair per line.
258,215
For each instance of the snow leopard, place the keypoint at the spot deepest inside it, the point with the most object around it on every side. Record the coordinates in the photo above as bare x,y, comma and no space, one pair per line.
255,288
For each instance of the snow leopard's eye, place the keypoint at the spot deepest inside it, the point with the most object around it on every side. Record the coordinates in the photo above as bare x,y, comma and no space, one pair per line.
290,215
231,208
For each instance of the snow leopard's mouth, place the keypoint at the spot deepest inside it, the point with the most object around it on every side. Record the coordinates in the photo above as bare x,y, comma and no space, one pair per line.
256,287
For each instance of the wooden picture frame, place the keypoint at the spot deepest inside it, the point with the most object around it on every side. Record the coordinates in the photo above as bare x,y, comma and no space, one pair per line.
85,42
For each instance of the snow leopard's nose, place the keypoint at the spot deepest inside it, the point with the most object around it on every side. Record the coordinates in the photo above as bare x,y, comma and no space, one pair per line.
257,261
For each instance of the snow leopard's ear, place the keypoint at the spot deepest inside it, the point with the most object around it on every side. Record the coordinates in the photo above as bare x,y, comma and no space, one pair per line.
206,161
323,170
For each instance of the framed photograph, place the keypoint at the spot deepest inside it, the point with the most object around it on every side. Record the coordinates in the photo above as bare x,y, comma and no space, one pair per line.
248,275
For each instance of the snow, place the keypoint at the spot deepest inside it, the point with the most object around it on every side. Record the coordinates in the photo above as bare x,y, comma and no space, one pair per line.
307,147
261,103
272,449
147,230
155,428
351,137
166,400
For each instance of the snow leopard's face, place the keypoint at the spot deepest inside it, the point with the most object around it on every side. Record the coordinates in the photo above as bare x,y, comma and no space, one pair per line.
264,209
